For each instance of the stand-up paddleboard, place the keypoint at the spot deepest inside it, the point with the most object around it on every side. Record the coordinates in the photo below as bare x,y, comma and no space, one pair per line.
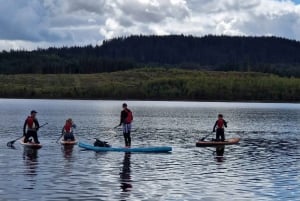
31,145
68,142
124,149
217,143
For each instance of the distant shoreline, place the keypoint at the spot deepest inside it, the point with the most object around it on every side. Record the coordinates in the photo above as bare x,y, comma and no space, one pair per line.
154,85
155,100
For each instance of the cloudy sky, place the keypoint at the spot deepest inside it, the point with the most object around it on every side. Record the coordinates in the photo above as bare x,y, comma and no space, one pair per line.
28,24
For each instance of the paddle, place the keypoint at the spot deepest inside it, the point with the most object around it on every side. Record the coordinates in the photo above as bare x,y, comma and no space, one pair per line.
10,144
111,131
59,137
202,139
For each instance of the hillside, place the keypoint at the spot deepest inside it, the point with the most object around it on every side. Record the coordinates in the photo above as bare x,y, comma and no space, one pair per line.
154,84
221,53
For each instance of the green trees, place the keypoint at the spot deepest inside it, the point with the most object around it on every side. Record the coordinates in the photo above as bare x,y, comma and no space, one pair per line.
221,53
154,84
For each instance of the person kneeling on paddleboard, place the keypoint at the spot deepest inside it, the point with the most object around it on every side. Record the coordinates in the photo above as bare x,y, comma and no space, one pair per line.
126,119
67,130
32,125
220,124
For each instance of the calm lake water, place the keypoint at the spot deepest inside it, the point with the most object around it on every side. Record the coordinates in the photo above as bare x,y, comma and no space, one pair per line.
263,166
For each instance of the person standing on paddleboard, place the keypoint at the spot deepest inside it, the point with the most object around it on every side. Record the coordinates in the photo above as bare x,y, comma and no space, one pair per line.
126,119
67,130
220,124
32,125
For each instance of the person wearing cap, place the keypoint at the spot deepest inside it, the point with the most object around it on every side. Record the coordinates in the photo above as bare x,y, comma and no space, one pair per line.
125,120
30,128
67,130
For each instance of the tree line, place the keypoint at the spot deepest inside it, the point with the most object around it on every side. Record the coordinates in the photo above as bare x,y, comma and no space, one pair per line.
220,53
154,84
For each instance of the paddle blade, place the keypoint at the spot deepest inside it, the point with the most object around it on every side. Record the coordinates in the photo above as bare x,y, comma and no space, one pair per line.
11,143
111,132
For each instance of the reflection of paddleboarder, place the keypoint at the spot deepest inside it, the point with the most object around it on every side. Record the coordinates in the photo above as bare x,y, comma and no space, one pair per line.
125,176
30,158
220,152
67,151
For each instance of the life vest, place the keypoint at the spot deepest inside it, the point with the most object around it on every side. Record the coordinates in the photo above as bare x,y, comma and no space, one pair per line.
220,123
68,127
129,117
30,122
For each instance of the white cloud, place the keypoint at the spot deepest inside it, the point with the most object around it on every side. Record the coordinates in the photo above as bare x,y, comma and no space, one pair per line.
21,45
41,23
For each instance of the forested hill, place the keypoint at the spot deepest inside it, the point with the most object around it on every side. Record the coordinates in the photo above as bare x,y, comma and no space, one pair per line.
262,54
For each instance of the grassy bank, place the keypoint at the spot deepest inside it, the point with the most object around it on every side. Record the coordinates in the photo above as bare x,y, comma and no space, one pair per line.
155,84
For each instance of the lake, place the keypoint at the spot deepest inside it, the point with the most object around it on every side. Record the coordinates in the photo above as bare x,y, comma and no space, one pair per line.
263,166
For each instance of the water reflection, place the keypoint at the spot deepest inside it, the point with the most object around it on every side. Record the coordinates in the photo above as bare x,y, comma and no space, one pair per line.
265,166
30,157
220,153
67,151
125,177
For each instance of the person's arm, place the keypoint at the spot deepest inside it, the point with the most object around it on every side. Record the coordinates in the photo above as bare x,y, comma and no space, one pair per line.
62,130
225,124
37,124
123,117
214,128
24,127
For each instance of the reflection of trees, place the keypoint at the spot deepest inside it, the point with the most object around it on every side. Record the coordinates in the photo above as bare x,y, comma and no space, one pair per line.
125,176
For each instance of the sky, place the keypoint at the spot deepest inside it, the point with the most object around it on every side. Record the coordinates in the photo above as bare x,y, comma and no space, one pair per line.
31,24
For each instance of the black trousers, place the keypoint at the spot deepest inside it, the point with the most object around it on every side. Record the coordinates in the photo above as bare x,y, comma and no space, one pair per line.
220,133
127,139
31,134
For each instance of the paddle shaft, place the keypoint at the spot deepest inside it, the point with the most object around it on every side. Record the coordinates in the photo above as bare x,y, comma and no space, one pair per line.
16,139
43,125
202,139
59,138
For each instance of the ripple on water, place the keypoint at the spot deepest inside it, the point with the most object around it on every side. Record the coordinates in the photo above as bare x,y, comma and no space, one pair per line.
263,166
